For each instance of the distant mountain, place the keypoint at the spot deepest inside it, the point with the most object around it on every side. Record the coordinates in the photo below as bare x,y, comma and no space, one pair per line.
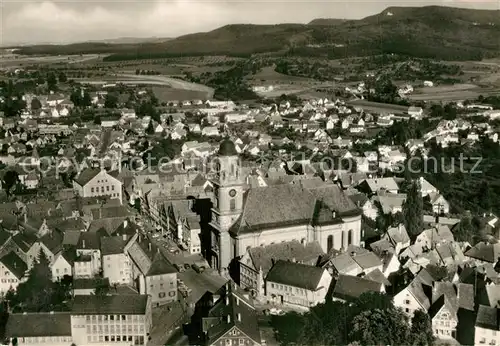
131,40
432,31
327,21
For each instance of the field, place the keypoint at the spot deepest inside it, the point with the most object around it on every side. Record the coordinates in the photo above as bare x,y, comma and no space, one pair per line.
165,94
455,92
8,60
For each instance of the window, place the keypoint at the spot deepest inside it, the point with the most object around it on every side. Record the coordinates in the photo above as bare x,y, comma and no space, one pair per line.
272,285
92,189
407,310
102,188
107,188
330,243
112,188
171,293
106,338
123,317
482,341
493,342
232,204
241,341
349,237
407,301
161,295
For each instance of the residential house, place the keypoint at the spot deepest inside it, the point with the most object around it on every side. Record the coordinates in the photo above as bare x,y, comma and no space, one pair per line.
94,183
374,185
257,261
347,287
87,263
226,317
153,273
13,270
487,326
297,284
210,131
398,237
439,204
415,112
184,224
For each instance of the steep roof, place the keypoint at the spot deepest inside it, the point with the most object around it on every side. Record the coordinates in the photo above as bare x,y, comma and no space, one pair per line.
488,317
348,287
263,256
485,252
295,274
290,204
112,245
86,175
231,310
14,264
38,324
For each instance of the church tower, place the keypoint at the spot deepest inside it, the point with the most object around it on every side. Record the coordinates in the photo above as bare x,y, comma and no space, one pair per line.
228,204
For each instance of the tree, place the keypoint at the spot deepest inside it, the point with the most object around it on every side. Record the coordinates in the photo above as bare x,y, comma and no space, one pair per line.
86,101
413,209
421,329
464,231
150,129
51,81
137,204
381,327
111,101
36,104
10,180
62,77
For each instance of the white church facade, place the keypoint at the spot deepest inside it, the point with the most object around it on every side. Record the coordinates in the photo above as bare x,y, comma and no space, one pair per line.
243,218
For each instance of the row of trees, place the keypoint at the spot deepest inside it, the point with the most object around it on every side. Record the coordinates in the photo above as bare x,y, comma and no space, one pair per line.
372,319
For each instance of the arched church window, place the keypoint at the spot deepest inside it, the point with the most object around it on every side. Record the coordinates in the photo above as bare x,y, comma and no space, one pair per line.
232,204
349,237
329,245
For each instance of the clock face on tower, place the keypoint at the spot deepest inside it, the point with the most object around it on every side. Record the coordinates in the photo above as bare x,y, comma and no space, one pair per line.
232,193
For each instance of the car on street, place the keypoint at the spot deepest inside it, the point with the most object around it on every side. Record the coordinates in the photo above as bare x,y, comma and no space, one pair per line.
174,250
179,268
198,268
274,311
187,266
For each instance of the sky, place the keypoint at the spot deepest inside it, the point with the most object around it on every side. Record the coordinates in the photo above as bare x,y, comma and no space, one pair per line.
67,21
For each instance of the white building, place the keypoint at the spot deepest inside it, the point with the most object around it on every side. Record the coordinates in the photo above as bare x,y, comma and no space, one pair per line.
13,270
110,319
297,284
94,182
487,330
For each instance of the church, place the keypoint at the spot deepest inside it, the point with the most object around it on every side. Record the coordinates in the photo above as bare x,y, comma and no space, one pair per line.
243,218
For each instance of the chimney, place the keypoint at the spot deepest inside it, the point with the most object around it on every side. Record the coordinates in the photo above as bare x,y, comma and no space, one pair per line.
239,317
227,300
334,215
124,237
149,246
228,318
83,243
125,223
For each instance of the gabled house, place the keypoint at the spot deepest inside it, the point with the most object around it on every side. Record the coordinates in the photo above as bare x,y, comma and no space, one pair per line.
347,287
13,270
257,261
297,284
226,317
